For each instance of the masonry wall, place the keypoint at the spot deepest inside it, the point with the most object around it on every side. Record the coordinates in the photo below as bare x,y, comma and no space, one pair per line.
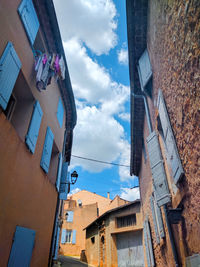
173,45
28,196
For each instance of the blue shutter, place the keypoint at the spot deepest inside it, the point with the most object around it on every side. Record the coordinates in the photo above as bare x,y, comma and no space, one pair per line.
57,244
144,69
70,216
59,172
60,112
22,247
158,172
10,66
154,220
159,221
47,149
74,237
33,131
170,143
63,236
29,18
148,244
64,181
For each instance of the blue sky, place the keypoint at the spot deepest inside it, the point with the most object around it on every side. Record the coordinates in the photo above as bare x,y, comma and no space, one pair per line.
95,43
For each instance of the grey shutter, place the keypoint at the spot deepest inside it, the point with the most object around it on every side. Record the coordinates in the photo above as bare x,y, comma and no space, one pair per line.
148,244
154,220
158,171
170,143
159,220
144,69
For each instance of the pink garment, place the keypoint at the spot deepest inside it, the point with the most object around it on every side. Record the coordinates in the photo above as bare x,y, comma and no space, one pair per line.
44,60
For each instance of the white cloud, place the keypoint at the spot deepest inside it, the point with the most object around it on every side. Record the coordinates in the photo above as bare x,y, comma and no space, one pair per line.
124,116
92,21
73,191
123,56
98,136
130,194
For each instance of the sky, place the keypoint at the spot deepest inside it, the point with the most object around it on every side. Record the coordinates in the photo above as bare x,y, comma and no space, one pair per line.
95,42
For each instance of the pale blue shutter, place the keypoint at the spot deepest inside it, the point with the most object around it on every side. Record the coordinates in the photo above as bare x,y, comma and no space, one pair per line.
158,171
10,66
33,131
159,220
63,236
57,244
144,69
74,237
154,220
60,113
148,244
47,149
59,170
29,18
64,182
170,143
70,216
22,247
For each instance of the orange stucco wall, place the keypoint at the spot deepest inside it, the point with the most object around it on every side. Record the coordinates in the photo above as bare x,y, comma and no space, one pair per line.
28,197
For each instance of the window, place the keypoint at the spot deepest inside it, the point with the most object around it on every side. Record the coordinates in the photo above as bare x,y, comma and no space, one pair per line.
64,182
53,164
126,221
93,239
68,236
79,202
70,216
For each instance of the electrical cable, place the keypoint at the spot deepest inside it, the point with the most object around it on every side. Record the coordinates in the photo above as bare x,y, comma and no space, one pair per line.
100,161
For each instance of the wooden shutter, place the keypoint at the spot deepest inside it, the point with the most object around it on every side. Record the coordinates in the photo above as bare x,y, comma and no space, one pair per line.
64,182
22,247
47,149
148,244
57,244
59,170
63,236
70,216
33,131
170,143
29,19
158,171
10,66
60,113
144,69
74,237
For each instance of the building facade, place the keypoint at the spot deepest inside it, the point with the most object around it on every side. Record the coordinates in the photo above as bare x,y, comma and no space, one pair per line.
115,238
37,117
80,210
163,45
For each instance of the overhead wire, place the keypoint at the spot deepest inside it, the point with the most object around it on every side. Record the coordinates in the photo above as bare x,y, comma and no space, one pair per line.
100,161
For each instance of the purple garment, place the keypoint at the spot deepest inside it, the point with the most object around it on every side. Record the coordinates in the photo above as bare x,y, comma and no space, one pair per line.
56,64
44,60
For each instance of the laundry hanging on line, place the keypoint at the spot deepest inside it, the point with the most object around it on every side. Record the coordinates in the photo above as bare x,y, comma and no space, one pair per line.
48,66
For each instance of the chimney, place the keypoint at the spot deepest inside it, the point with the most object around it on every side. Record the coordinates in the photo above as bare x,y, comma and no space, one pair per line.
108,195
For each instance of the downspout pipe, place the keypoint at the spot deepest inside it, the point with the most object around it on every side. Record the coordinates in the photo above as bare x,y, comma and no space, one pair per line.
169,228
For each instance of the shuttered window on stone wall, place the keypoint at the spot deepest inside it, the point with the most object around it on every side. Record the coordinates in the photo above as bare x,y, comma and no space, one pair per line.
157,220
70,216
158,171
64,182
47,149
169,140
10,66
144,69
29,19
148,244
34,127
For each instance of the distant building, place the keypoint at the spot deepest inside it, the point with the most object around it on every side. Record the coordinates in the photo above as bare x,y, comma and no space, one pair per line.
37,117
163,46
115,238
79,210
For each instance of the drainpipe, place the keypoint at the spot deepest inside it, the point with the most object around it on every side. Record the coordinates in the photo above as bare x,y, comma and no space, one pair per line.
171,237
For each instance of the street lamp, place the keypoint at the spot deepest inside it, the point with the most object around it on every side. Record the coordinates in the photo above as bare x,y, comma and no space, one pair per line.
74,176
